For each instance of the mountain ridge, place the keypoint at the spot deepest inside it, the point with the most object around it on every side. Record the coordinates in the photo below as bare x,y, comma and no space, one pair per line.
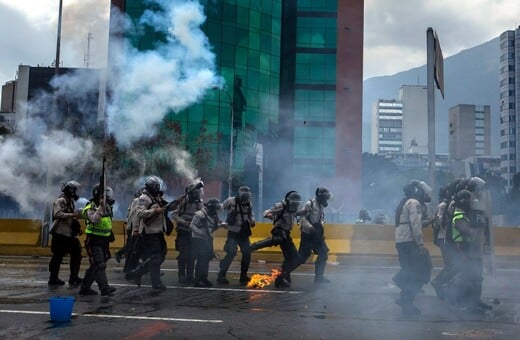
470,77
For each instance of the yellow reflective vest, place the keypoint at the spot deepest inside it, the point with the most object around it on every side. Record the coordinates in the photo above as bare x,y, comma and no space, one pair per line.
102,228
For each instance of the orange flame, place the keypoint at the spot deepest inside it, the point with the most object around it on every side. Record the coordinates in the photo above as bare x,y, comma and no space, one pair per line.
261,280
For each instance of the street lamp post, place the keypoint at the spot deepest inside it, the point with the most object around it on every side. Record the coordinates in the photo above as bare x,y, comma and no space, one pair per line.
231,133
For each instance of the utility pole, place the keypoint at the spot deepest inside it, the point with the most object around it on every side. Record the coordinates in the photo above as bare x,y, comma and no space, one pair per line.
430,61
86,58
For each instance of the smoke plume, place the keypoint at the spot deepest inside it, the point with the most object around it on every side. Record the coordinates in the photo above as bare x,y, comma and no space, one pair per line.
147,85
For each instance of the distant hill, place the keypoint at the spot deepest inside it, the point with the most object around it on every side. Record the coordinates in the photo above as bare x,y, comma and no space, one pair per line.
470,77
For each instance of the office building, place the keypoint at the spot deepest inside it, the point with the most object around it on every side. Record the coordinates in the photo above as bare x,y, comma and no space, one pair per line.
401,125
509,103
294,81
387,126
469,131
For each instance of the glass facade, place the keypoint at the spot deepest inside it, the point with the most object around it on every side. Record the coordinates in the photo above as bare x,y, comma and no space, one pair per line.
245,37
315,86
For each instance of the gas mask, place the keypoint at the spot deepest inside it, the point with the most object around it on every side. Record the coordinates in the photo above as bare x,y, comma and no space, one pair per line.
322,196
293,200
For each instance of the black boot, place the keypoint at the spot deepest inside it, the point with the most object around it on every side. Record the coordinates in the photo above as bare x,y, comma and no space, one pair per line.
268,242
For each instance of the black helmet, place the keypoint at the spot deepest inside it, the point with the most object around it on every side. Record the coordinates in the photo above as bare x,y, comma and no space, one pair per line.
244,194
293,200
322,196
213,206
195,191
365,215
153,184
418,190
475,184
96,194
70,188
463,200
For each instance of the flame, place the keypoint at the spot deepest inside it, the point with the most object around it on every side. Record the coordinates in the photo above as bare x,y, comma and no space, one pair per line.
261,280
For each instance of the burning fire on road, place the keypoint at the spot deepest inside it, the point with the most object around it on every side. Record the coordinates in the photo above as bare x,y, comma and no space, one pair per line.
263,280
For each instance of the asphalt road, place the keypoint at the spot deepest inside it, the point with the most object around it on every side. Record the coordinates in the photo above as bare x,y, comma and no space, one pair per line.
358,304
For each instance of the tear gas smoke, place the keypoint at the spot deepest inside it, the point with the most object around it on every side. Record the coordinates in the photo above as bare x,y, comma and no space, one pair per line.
145,87
148,85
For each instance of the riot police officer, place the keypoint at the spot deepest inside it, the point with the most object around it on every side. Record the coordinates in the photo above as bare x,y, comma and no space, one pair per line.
65,230
239,222
191,202
98,218
414,258
150,243
283,215
311,219
202,226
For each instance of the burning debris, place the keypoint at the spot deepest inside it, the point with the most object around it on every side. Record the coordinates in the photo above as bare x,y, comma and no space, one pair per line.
263,280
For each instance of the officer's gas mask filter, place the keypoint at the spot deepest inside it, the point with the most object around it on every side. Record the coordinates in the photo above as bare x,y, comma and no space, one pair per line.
70,188
463,200
195,191
293,200
322,196
244,194
213,206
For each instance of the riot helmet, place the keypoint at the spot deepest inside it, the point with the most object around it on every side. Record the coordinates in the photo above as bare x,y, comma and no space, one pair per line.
322,196
244,194
153,185
461,185
463,200
364,215
418,190
293,200
475,185
195,191
70,188
213,206
96,194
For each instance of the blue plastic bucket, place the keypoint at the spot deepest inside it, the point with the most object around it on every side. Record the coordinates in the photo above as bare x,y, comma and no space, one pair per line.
60,308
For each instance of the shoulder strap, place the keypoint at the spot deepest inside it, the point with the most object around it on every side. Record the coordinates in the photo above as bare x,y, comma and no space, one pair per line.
399,210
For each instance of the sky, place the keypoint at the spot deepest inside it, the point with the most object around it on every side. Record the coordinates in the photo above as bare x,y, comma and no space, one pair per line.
394,32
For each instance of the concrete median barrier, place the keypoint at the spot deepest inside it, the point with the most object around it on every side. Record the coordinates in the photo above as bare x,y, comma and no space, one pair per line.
22,237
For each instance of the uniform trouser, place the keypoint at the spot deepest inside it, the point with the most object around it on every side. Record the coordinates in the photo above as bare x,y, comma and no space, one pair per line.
153,249
201,254
235,240
184,259
98,253
290,256
408,277
442,279
61,246
130,262
466,286
314,243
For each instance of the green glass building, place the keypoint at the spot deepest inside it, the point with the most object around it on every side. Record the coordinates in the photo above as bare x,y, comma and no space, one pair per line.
293,75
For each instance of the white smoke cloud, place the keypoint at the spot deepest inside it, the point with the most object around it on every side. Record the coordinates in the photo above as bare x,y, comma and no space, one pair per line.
27,166
147,85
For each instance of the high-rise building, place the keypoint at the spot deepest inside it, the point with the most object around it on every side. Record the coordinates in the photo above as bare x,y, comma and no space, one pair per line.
469,131
401,125
415,118
32,95
294,74
387,126
509,103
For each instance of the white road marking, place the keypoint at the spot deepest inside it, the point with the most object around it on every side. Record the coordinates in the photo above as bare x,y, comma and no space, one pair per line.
251,290
133,317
